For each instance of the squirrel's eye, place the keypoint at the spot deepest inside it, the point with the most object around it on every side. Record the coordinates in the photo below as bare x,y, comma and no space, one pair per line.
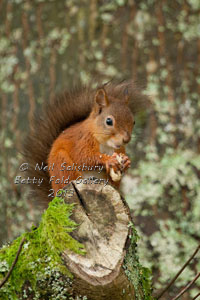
109,121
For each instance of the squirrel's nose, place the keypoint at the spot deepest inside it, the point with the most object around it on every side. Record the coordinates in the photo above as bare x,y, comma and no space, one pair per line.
126,138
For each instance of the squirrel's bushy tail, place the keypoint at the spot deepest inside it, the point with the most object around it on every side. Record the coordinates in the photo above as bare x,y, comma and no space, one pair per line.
64,111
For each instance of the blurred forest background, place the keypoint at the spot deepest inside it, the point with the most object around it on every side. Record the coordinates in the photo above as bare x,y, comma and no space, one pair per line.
48,46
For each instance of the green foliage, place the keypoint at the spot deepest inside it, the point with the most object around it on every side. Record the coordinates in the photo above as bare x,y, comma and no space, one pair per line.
40,258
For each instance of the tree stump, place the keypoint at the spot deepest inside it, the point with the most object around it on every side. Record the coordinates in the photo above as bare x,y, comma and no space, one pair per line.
103,220
51,264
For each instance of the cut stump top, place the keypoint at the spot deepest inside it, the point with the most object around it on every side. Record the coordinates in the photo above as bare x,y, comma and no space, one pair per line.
103,220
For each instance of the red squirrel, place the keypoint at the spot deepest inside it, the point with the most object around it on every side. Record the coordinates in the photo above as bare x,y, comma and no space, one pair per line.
86,127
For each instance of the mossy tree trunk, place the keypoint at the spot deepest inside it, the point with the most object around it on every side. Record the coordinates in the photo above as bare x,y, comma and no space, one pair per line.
108,268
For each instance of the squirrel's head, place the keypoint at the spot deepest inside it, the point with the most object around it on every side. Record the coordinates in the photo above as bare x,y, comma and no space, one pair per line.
113,120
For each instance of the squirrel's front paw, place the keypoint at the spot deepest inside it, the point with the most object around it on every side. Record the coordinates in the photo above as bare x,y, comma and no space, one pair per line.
123,160
112,164
124,164
113,168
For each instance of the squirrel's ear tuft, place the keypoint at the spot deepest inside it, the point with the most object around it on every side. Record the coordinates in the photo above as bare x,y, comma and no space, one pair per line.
126,96
101,98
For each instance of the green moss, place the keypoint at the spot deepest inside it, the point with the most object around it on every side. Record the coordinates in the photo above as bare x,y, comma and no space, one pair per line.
40,257
136,273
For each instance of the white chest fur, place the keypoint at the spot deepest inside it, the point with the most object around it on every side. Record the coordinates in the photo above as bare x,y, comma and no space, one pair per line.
106,150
